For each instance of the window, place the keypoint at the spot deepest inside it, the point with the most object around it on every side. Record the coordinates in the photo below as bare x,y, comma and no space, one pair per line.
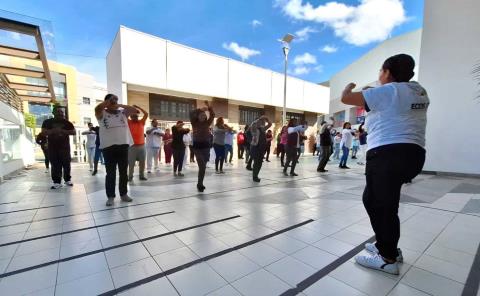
87,120
86,101
40,111
249,114
171,108
298,116
10,140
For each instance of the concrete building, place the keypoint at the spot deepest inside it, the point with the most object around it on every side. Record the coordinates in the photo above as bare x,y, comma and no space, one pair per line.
170,79
449,53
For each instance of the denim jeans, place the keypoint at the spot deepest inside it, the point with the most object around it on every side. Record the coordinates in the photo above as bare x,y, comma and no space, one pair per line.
343,160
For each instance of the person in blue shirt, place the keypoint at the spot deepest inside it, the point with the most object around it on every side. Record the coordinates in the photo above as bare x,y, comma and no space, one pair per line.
396,122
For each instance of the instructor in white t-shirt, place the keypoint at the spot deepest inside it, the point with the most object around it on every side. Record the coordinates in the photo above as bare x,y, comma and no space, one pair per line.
396,122
115,139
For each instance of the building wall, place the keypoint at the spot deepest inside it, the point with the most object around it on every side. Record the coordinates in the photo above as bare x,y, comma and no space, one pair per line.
147,61
25,142
114,70
450,50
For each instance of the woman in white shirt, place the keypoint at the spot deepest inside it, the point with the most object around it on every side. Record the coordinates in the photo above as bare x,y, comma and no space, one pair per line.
115,139
345,144
396,121
90,145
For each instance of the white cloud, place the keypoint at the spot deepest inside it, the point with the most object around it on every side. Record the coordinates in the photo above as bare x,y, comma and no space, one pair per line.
243,52
304,64
15,35
302,70
304,59
319,68
329,49
304,34
369,21
255,23
48,34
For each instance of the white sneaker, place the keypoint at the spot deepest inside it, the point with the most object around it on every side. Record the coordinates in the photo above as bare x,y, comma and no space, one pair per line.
376,261
56,186
371,248
47,171
69,183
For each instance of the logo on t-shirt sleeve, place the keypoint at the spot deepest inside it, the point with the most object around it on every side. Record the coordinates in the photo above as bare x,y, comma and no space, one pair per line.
419,106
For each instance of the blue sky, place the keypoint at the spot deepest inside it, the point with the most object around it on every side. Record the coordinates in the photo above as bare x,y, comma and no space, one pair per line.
330,34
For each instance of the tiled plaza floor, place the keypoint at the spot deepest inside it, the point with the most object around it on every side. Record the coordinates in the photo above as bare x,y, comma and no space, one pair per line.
283,236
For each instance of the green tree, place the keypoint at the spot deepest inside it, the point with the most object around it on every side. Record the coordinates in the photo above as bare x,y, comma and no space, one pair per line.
29,120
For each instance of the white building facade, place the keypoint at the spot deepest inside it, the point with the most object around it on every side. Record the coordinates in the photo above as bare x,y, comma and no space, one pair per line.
169,79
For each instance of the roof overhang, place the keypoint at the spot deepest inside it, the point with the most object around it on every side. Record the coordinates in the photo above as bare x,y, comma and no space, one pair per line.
43,92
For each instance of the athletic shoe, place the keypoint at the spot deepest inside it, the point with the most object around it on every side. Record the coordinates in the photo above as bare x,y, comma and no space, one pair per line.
126,198
149,172
94,172
249,168
180,174
217,172
143,179
293,175
256,180
200,188
56,186
47,171
371,248
109,202
285,174
222,172
375,261
69,183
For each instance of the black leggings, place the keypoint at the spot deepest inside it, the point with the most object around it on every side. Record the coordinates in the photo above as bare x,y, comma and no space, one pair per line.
202,155
178,155
47,160
388,168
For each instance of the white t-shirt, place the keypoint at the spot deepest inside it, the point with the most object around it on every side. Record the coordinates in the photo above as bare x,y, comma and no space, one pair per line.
397,113
347,138
187,139
91,137
114,129
154,139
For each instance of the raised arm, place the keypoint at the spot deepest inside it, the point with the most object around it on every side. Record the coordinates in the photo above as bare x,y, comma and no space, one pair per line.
352,98
99,109
211,113
129,110
145,113
269,123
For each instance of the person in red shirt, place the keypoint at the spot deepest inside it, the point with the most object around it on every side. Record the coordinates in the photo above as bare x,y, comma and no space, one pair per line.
167,146
241,144
136,152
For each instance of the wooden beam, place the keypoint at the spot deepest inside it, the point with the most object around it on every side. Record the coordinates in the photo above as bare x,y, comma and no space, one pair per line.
19,27
29,87
43,58
22,72
18,52
36,99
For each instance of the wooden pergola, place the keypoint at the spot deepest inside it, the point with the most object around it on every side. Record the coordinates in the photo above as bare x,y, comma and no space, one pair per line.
42,93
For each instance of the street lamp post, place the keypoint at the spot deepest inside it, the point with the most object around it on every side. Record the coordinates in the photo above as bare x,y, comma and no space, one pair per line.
286,48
